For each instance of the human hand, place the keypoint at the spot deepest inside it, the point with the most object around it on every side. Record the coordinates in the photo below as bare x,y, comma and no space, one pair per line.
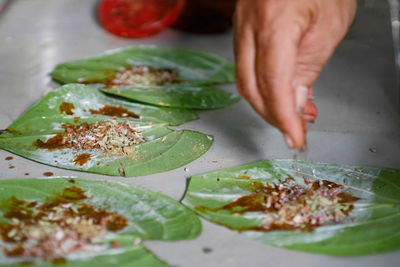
281,46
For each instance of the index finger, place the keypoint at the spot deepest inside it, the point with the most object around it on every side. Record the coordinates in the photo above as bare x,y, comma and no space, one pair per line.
276,58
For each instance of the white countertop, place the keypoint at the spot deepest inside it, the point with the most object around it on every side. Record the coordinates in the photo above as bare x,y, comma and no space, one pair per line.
356,97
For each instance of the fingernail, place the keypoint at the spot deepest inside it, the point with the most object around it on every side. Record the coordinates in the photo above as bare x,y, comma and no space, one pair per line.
288,141
308,118
301,98
311,97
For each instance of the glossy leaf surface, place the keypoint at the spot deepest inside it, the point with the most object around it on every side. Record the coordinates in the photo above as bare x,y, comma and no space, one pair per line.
372,227
151,215
196,70
192,96
75,101
190,65
164,149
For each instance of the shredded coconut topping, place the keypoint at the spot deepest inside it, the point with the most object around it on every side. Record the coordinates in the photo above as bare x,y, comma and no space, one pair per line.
110,136
289,205
57,228
144,76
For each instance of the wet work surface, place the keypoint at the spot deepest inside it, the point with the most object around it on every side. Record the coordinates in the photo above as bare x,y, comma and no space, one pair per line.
357,125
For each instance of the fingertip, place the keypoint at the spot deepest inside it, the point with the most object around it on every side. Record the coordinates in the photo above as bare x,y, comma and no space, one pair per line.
289,122
297,142
309,118
294,143
294,134
288,141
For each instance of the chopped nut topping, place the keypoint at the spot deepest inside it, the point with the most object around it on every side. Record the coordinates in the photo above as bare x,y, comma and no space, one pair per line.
289,205
144,76
114,138
56,228
110,136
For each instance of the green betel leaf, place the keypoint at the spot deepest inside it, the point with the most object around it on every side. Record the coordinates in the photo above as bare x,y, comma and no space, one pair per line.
75,101
371,226
193,96
190,65
159,76
43,134
134,256
162,149
150,216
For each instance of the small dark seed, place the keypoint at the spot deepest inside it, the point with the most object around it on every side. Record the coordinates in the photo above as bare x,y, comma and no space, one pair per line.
207,250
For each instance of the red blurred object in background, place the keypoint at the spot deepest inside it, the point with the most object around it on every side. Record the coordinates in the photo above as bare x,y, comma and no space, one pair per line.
138,18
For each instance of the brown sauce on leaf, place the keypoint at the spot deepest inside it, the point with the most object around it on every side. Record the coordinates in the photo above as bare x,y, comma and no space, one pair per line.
246,204
115,111
13,132
110,136
289,205
273,227
106,73
16,251
56,142
346,197
66,108
73,193
81,159
317,184
59,261
33,227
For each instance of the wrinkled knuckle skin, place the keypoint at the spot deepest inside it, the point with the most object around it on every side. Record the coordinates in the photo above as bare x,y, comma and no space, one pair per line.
240,6
239,16
269,84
